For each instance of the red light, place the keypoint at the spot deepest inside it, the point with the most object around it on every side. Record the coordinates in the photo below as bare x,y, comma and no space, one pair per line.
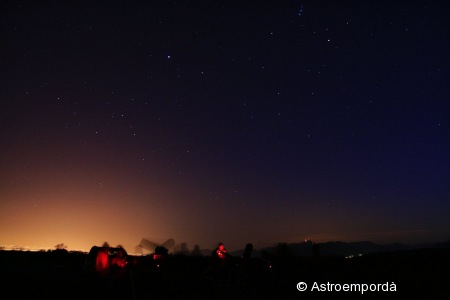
157,256
221,251
101,263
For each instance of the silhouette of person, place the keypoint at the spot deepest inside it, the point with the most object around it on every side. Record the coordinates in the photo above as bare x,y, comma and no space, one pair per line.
120,259
219,267
102,261
220,251
247,252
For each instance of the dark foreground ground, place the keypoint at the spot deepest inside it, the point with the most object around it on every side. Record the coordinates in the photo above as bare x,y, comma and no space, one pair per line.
423,273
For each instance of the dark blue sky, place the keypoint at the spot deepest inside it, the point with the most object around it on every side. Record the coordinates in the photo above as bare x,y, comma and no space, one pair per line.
232,121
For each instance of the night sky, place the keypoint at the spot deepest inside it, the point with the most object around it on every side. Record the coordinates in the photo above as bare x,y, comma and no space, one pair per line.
224,121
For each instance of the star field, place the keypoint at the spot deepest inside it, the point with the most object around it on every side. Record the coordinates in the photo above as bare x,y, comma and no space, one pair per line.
228,121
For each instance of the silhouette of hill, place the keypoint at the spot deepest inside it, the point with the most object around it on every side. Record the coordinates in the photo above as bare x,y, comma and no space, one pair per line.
339,248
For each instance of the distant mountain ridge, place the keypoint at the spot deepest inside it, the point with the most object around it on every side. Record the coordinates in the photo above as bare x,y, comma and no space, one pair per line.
338,248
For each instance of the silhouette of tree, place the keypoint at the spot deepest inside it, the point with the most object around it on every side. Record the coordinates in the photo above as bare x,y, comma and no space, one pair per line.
105,244
60,246
196,251
183,250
